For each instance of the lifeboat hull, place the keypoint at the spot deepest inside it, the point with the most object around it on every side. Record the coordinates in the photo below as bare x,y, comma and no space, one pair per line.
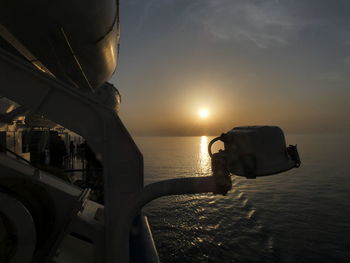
75,41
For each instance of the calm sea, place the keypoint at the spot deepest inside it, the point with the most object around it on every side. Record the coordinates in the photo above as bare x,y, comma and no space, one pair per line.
299,216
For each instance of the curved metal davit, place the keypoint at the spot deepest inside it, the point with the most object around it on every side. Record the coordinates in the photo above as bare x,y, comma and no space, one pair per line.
76,41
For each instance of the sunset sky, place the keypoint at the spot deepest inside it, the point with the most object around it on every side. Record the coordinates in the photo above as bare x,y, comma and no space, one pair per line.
275,62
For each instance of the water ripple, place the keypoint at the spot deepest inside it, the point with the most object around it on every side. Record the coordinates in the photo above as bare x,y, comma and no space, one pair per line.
300,216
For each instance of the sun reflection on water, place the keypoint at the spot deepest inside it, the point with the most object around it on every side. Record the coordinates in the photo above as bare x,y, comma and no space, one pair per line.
204,159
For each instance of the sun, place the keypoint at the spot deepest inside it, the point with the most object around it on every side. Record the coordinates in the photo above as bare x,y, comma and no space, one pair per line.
203,113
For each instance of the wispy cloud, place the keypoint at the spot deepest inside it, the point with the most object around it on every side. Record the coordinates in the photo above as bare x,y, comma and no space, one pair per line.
148,7
264,23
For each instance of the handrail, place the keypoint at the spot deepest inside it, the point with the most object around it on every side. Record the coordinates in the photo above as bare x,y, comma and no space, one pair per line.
81,170
3,148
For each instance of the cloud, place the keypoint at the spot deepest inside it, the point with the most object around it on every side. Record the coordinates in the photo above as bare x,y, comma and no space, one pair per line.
147,7
264,23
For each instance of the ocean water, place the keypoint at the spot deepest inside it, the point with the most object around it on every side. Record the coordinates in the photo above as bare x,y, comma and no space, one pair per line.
299,216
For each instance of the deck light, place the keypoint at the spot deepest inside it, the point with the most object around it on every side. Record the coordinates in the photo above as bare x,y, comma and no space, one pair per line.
253,151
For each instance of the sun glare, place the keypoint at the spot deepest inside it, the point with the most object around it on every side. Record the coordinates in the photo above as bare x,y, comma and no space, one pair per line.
203,113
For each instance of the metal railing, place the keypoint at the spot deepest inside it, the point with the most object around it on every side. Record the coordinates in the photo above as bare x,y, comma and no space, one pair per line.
6,150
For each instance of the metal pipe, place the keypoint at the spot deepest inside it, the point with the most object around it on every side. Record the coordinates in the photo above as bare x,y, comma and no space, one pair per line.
179,186
218,183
